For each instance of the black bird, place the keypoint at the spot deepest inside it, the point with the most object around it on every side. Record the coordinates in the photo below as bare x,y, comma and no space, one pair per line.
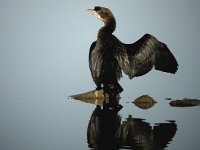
108,56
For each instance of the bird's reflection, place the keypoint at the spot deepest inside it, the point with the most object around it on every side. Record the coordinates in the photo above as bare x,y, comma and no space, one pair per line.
107,132
138,134
102,128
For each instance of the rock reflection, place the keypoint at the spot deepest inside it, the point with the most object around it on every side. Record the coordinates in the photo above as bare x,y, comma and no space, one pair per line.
106,132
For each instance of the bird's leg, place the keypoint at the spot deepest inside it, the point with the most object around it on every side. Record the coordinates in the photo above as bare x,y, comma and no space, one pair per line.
106,88
112,89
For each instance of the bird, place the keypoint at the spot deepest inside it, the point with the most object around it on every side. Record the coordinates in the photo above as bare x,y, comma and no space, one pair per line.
108,56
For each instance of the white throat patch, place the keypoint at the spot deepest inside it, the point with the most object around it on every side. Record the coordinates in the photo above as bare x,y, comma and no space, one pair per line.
97,15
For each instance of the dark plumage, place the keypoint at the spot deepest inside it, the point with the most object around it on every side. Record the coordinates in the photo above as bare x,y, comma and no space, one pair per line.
108,55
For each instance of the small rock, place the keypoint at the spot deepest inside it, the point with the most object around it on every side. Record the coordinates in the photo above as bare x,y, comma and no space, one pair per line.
186,102
144,102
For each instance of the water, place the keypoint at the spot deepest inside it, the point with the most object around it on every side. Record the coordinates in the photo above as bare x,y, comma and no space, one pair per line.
50,120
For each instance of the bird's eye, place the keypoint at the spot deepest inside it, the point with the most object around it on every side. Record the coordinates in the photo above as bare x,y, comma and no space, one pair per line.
96,8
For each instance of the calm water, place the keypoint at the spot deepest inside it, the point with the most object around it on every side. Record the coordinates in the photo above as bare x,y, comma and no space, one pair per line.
46,120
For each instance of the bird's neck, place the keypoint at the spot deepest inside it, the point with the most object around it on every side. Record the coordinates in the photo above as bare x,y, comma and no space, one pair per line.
108,28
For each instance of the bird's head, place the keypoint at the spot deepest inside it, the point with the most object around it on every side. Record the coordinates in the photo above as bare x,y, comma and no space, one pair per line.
102,13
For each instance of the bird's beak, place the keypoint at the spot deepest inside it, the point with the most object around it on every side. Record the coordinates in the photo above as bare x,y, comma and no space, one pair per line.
91,11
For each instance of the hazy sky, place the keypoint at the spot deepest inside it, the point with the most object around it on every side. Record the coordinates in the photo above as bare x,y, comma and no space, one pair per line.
44,43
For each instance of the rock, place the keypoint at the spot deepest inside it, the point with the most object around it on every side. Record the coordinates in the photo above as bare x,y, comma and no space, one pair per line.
186,102
90,95
93,97
144,102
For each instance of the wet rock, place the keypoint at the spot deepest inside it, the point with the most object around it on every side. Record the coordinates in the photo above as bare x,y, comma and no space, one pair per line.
144,102
186,102
90,95
93,97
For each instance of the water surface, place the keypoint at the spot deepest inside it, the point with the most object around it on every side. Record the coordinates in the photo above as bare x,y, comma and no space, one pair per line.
51,121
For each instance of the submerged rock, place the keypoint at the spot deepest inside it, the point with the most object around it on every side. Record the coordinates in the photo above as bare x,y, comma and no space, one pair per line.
168,98
186,102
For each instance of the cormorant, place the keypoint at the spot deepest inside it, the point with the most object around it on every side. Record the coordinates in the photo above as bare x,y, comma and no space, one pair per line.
108,56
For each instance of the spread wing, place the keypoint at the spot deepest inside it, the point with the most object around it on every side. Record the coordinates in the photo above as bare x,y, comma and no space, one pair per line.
145,54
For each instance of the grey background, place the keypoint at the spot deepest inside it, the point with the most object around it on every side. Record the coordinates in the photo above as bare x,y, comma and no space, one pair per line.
46,43
44,48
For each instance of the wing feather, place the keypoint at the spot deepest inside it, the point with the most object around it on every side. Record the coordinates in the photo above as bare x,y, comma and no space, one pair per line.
145,54
95,63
